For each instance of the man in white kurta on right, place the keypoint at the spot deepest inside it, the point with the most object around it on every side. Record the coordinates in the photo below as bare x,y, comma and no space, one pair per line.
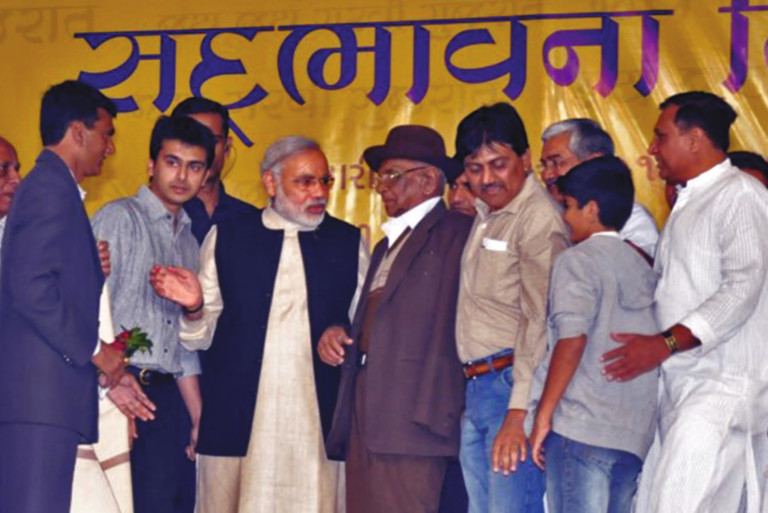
712,302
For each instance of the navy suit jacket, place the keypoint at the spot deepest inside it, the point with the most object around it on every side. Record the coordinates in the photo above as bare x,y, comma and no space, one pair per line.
50,281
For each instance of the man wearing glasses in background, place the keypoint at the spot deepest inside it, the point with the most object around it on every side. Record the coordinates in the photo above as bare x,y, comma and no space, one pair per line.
9,180
401,394
572,141
270,283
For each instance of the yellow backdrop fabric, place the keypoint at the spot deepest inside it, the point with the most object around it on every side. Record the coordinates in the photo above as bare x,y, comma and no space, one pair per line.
343,72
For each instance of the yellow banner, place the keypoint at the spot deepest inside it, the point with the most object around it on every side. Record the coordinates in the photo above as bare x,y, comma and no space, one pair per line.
344,72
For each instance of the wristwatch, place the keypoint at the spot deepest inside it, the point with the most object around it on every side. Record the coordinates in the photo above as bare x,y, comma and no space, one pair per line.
671,341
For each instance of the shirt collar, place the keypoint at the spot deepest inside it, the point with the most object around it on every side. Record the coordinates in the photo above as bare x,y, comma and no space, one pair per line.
702,181
609,233
395,226
79,189
529,186
155,208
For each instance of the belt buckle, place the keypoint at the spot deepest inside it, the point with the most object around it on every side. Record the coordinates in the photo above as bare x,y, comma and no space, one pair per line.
144,376
465,370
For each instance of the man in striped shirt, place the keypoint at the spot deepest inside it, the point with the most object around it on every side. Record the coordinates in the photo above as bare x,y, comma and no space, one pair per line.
712,302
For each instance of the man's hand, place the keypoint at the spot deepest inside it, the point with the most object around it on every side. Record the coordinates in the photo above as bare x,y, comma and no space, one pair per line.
192,447
131,399
178,284
541,428
331,345
133,432
111,363
509,447
636,355
103,247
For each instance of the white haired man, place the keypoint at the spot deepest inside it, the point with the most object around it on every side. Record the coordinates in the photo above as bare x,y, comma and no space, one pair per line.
270,283
572,141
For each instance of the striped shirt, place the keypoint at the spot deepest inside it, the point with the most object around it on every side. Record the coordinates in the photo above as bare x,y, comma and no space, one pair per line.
141,232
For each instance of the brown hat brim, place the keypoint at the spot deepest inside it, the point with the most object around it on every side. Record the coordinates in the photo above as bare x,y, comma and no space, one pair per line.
375,155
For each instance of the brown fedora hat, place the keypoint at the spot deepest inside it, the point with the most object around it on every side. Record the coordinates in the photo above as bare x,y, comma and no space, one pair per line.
414,142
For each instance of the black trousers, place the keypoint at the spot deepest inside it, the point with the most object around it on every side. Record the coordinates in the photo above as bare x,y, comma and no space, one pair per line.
163,477
37,463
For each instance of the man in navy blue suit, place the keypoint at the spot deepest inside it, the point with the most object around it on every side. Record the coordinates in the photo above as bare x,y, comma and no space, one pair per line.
50,281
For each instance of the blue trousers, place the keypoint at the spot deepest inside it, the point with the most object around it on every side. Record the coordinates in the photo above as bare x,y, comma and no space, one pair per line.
163,478
37,463
583,478
487,399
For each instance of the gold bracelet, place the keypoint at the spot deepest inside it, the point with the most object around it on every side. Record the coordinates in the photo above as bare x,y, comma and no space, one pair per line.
671,341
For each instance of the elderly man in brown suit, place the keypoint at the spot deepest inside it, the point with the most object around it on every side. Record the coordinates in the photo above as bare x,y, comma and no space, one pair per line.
401,394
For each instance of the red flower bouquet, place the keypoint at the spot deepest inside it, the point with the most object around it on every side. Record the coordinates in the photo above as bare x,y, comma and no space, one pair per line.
132,340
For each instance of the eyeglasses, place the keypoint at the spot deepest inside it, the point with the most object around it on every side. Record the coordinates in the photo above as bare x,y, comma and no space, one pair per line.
556,164
388,178
6,166
306,183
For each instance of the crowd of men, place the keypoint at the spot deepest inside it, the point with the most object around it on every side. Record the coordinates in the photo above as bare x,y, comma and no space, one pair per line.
535,331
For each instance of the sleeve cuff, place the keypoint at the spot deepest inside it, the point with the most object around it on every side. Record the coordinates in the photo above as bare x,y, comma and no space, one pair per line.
571,326
701,329
519,398
192,333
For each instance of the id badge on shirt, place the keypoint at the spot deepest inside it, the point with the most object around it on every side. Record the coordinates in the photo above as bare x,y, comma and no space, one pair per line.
494,245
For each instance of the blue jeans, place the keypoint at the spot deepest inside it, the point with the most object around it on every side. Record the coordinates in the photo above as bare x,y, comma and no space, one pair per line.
583,478
487,401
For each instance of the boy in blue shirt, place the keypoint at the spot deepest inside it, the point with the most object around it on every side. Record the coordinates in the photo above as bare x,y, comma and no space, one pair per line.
594,433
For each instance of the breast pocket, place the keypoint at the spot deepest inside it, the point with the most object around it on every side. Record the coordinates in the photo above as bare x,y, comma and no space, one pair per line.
496,274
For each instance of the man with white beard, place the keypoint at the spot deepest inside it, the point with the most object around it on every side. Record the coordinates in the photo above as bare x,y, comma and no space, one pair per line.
270,283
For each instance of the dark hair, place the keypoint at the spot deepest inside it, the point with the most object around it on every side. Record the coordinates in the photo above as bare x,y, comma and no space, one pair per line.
606,180
183,129
704,110
749,160
199,105
70,101
499,123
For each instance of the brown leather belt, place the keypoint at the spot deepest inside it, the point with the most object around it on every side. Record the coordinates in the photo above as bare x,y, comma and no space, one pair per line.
478,368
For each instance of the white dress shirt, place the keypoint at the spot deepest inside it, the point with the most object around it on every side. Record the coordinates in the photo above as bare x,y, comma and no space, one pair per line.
640,229
395,226
713,263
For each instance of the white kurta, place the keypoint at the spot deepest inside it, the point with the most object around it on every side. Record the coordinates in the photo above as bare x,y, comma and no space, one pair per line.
713,265
285,469
102,478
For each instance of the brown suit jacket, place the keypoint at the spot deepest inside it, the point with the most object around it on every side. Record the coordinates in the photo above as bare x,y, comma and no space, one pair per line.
415,387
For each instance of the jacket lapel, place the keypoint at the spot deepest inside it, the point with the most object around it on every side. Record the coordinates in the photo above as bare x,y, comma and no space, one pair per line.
376,258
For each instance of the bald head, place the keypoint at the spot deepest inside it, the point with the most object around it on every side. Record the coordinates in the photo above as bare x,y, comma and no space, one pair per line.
9,175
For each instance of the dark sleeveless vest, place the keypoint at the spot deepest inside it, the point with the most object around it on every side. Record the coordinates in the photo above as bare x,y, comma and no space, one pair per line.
247,257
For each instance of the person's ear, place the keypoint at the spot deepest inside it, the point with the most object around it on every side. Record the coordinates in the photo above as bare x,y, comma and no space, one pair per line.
527,160
77,130
593,211
270,183
151,168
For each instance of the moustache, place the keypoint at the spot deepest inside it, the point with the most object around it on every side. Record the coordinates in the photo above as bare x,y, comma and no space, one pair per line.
488,187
